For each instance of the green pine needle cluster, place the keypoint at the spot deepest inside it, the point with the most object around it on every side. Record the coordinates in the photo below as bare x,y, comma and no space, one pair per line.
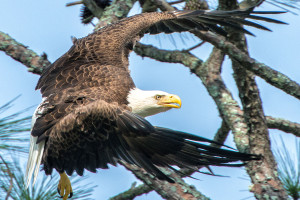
12,130
14,145
289,167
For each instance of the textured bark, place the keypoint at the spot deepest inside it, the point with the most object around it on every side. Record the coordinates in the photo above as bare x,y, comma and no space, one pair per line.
229,109
182,57
263,173
266,184
283,125
22,54
171,191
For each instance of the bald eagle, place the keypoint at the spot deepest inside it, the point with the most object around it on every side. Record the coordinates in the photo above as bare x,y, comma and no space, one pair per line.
92,114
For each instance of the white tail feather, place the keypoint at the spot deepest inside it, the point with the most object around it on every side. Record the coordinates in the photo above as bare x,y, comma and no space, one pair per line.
35,152
34,160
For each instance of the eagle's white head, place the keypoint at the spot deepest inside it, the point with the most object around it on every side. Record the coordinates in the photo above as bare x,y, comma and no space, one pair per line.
146,103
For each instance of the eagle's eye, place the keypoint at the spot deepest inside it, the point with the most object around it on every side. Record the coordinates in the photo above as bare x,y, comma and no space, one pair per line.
157,97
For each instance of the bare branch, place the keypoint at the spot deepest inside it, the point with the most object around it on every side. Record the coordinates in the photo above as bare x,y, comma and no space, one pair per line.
74,3
22,54
283,125
196,46
182,57
132,192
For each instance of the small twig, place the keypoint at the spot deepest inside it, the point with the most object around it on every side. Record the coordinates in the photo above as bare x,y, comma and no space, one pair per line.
176,2
132,192
283,125
196,46
74,3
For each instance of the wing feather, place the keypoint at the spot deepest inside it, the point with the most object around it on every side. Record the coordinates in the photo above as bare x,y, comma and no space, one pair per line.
126,136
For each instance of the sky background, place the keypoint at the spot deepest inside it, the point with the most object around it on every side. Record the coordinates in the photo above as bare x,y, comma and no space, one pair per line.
47,26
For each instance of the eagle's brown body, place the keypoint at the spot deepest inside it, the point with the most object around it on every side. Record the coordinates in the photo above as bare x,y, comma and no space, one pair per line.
85,120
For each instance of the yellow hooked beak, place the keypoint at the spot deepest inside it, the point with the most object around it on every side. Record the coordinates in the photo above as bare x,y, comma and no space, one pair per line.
171,101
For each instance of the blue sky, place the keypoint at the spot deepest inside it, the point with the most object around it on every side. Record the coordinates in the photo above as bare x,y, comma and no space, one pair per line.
47,26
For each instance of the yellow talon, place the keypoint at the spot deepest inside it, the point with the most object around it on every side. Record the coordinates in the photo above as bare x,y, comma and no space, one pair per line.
64,187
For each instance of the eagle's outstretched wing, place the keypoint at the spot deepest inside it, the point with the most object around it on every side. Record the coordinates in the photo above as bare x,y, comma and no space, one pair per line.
112,44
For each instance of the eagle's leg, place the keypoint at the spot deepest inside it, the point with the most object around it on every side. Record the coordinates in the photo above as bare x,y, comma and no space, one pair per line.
64,187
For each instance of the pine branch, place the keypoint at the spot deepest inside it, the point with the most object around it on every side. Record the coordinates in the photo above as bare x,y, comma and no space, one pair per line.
22,54
182,57
288,166
132,192
74,3
11,130
263,173
283,125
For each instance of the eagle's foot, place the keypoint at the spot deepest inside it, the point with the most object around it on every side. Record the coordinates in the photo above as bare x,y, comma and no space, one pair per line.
64,187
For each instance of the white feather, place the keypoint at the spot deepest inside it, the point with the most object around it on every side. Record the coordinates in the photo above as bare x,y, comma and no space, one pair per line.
35,151
143,103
